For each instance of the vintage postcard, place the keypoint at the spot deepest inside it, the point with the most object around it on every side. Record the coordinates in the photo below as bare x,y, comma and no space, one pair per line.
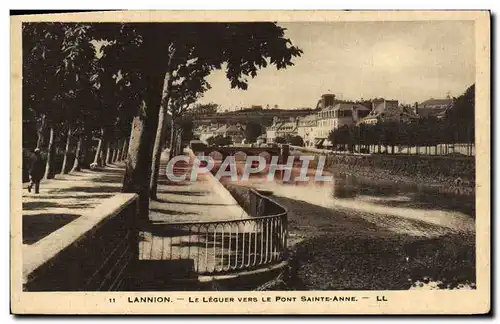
250,162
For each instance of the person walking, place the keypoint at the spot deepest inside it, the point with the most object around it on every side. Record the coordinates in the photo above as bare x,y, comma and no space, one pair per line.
36,171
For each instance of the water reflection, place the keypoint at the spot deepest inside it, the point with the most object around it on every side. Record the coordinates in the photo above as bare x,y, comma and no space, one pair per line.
345,187
402,196
368,198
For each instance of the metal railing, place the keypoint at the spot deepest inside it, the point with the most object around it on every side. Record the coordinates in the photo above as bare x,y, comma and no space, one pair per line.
222,246
444,149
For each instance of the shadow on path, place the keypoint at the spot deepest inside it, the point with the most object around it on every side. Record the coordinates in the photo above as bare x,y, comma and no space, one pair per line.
169,212
36,227
42,213
183,193
89,189
43,205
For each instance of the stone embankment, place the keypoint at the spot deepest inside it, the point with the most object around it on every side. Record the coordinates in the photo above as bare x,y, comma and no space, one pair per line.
443,173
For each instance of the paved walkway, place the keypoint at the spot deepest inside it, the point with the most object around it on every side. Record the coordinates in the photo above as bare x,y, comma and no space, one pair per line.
190,201
191,247
65,198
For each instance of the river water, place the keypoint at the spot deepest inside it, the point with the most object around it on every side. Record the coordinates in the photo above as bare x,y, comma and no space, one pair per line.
407,232
379,201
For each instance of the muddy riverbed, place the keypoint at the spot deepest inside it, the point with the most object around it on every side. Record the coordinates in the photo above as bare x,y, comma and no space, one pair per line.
348,234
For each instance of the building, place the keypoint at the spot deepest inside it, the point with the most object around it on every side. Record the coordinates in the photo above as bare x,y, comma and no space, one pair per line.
288,128
337,116
236,132
433,107
307,128
407,114
383,110
204,132
272,130
281,128
327,100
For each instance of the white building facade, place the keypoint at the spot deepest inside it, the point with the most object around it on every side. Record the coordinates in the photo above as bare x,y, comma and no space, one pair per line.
306,128
337,116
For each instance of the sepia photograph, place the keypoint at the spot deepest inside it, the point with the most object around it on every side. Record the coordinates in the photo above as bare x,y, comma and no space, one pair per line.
164,158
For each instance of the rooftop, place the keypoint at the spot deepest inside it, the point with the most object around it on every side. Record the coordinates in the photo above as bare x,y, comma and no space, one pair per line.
436,102
346,106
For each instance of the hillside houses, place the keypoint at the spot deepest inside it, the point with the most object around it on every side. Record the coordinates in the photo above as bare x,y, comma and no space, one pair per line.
433,107
235,132
331,114
389,111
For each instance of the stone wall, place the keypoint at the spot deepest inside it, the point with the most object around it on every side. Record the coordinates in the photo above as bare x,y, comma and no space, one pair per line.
443,172
434,167
91,253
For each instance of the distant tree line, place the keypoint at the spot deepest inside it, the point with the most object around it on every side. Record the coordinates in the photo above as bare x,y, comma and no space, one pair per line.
457,126
294,140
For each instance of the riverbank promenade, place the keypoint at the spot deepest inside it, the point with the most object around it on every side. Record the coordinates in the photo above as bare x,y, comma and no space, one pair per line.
70,196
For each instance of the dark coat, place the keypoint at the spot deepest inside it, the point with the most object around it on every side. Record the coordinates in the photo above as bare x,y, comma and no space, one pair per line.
37,167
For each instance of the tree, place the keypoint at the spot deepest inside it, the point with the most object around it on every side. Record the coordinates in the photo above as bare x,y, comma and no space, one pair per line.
219,140
187,127
200,110
280,140
55,73
224,141
364,139
252,131
177,97
389,135
211,140
145,58
340,136
244,47
295,140
461,116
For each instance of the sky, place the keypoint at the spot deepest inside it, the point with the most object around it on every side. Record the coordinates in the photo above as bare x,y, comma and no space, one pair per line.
404,60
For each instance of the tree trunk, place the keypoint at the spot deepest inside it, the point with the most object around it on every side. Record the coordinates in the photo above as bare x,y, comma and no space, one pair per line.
114,148
144,125
179,150
108,153
86,144
98,151
76,163
172,138
66,149
118,150
138,163
124,150
162,114
50,149
40,131
155,165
